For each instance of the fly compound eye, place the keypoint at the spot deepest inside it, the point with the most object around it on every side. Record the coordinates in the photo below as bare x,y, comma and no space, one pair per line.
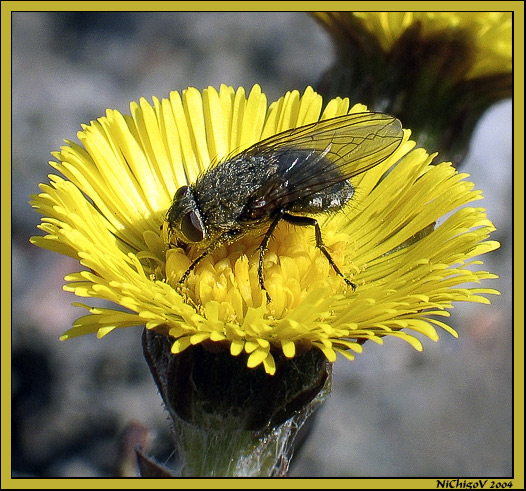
181,192
192,227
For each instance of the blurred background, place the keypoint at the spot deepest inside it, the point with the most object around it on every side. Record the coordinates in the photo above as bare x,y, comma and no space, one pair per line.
393,412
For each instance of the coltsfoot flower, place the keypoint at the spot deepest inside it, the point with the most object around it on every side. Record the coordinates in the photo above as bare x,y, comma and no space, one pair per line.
406,239
487,34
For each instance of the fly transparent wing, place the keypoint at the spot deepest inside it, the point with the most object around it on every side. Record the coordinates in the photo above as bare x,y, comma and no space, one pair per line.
313,157
352,143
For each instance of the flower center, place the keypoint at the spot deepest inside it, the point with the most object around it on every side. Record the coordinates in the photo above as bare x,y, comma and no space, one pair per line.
292,267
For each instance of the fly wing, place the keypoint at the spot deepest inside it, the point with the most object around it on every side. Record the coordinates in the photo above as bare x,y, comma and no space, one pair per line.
318,155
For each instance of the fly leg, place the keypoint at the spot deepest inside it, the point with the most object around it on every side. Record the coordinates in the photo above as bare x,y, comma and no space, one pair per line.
225,238
193,265
306,222
263,248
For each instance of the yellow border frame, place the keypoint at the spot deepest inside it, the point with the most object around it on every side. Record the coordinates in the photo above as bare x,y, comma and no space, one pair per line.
8,7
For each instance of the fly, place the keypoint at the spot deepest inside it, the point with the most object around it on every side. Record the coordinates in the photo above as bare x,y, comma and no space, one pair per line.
289,176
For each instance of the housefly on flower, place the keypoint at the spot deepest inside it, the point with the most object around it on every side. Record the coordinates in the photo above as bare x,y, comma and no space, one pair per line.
289,176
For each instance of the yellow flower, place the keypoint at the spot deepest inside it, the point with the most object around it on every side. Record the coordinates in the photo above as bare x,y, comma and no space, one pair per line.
488,34
109,211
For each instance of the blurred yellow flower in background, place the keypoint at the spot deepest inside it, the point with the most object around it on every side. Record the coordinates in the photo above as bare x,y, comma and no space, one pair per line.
489,33
437,72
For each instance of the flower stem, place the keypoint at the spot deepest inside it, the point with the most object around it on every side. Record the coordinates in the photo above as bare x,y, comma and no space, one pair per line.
230,420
